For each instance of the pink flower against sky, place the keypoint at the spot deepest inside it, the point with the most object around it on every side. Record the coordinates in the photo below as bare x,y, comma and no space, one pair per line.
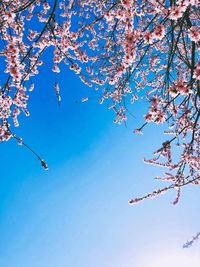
159,32
194,34
197,72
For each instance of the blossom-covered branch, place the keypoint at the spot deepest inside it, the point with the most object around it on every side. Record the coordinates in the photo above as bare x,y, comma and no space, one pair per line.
124,48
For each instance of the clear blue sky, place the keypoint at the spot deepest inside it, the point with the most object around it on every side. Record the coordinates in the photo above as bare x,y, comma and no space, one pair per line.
77,213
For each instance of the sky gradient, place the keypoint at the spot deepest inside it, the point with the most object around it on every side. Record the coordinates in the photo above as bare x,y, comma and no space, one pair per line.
76,213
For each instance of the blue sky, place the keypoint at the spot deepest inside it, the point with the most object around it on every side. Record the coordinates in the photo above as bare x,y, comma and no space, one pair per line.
76,213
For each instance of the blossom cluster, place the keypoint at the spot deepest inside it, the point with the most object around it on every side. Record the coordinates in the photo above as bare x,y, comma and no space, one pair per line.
124,48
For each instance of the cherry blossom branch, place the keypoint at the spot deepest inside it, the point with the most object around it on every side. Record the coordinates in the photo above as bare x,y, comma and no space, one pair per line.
20,142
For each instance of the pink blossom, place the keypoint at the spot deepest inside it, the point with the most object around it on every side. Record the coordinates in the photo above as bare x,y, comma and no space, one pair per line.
196,74
194,34
9,16
175,13
148,37
159,32
182,88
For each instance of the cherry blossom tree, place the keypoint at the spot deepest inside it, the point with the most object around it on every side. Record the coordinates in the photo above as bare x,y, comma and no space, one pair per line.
123,48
